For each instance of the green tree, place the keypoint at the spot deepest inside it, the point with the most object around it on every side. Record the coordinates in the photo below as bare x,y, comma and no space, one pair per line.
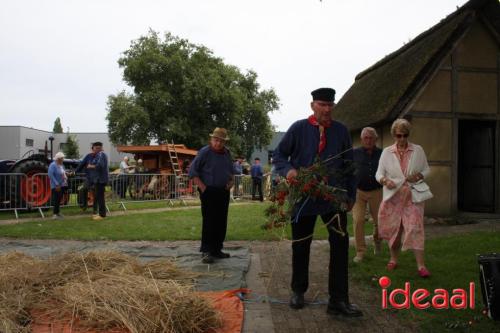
181,92
70,148
57,126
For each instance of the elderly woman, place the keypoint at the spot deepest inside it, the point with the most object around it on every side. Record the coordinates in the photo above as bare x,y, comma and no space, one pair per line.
400,219
58,182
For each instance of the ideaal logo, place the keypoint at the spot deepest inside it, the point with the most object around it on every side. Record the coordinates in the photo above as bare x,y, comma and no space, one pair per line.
440,299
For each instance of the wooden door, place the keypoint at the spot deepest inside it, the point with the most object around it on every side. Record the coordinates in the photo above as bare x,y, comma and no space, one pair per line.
476,166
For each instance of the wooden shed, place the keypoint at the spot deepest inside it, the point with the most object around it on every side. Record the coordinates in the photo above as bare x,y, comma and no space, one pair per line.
446,82
161,158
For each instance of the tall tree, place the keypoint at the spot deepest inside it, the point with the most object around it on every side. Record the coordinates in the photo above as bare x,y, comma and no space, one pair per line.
57,126
70,148
182,92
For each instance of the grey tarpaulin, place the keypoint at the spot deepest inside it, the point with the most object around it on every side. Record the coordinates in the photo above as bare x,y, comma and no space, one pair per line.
224,274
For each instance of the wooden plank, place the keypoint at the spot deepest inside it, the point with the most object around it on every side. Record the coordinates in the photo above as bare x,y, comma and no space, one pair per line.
468,69
454,134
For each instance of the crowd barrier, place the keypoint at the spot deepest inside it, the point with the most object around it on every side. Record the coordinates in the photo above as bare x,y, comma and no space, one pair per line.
11,188
32,192
243,187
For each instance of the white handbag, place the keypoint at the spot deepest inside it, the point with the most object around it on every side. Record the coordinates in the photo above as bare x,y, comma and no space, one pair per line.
420,192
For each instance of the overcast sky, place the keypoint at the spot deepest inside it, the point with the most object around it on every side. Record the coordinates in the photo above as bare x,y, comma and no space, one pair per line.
58,58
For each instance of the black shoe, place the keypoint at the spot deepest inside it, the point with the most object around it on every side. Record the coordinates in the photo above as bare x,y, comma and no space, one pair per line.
297,300
220,255
207,258
345,309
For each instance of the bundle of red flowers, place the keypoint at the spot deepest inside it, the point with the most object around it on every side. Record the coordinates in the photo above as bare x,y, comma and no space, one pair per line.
289,195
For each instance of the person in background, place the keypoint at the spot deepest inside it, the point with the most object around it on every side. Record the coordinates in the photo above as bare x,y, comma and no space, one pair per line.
123,179
238,172
320,137
401,221
58,183
246,167
238,168
369,191
139,168
213,172
88,186
100,166
185,166
257,172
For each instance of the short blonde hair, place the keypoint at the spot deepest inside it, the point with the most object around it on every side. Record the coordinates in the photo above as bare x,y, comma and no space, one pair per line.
400,124
370,130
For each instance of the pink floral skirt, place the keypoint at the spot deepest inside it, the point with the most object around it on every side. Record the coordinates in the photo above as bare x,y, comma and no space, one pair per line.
400,212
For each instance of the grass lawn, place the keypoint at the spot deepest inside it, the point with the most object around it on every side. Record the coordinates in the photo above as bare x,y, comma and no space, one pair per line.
244,224
113,207
453,264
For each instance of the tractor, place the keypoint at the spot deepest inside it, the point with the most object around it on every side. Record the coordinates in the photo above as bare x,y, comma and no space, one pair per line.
25,183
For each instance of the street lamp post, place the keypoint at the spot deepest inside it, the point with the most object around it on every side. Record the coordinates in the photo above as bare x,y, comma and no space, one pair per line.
51,138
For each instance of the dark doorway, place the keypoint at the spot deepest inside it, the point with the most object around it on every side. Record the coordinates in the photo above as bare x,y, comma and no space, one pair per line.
476,166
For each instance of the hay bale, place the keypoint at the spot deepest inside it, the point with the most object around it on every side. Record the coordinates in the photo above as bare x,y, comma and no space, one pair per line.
18,274
139,304
102,290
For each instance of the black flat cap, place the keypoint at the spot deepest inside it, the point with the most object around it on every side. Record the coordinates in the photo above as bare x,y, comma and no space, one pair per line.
323,94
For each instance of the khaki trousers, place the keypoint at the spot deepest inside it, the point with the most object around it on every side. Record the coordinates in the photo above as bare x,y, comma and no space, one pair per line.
373,199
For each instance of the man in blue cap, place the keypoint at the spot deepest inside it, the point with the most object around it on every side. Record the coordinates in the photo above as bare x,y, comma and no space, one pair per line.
319,136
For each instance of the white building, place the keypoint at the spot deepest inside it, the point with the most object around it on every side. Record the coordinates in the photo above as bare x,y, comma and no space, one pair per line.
19,141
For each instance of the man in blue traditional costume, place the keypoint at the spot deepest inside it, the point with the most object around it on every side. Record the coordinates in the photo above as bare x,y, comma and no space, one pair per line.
213,172
305,141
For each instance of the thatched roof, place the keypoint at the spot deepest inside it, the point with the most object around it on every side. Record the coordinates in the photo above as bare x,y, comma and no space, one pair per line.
381,92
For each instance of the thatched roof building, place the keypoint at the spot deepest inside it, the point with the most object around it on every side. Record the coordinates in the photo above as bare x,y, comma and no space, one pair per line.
446,82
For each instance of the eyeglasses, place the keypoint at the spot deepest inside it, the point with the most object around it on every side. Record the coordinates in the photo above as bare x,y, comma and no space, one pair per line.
399,136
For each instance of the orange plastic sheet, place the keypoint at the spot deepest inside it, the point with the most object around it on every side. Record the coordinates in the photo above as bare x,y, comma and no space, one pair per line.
226,302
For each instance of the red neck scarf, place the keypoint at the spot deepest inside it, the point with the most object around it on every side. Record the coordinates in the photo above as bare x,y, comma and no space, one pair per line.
322,136
221,151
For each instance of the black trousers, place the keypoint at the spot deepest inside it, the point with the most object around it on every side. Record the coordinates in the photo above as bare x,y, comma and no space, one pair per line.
339,247
99,202
257,186
56,200
214,207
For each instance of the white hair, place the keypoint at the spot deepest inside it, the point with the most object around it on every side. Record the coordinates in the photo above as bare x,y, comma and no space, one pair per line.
370,130
400,124
59,156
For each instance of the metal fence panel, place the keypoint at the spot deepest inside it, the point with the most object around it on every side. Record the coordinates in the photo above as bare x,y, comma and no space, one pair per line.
22,192
152,187
12,185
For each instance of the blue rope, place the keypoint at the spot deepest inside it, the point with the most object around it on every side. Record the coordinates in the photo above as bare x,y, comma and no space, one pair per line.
296,219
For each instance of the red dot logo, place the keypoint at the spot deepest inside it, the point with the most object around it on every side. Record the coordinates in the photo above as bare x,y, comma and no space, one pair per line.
384,282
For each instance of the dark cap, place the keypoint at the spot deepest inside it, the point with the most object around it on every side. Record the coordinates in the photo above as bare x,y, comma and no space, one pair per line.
97,144
323,94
